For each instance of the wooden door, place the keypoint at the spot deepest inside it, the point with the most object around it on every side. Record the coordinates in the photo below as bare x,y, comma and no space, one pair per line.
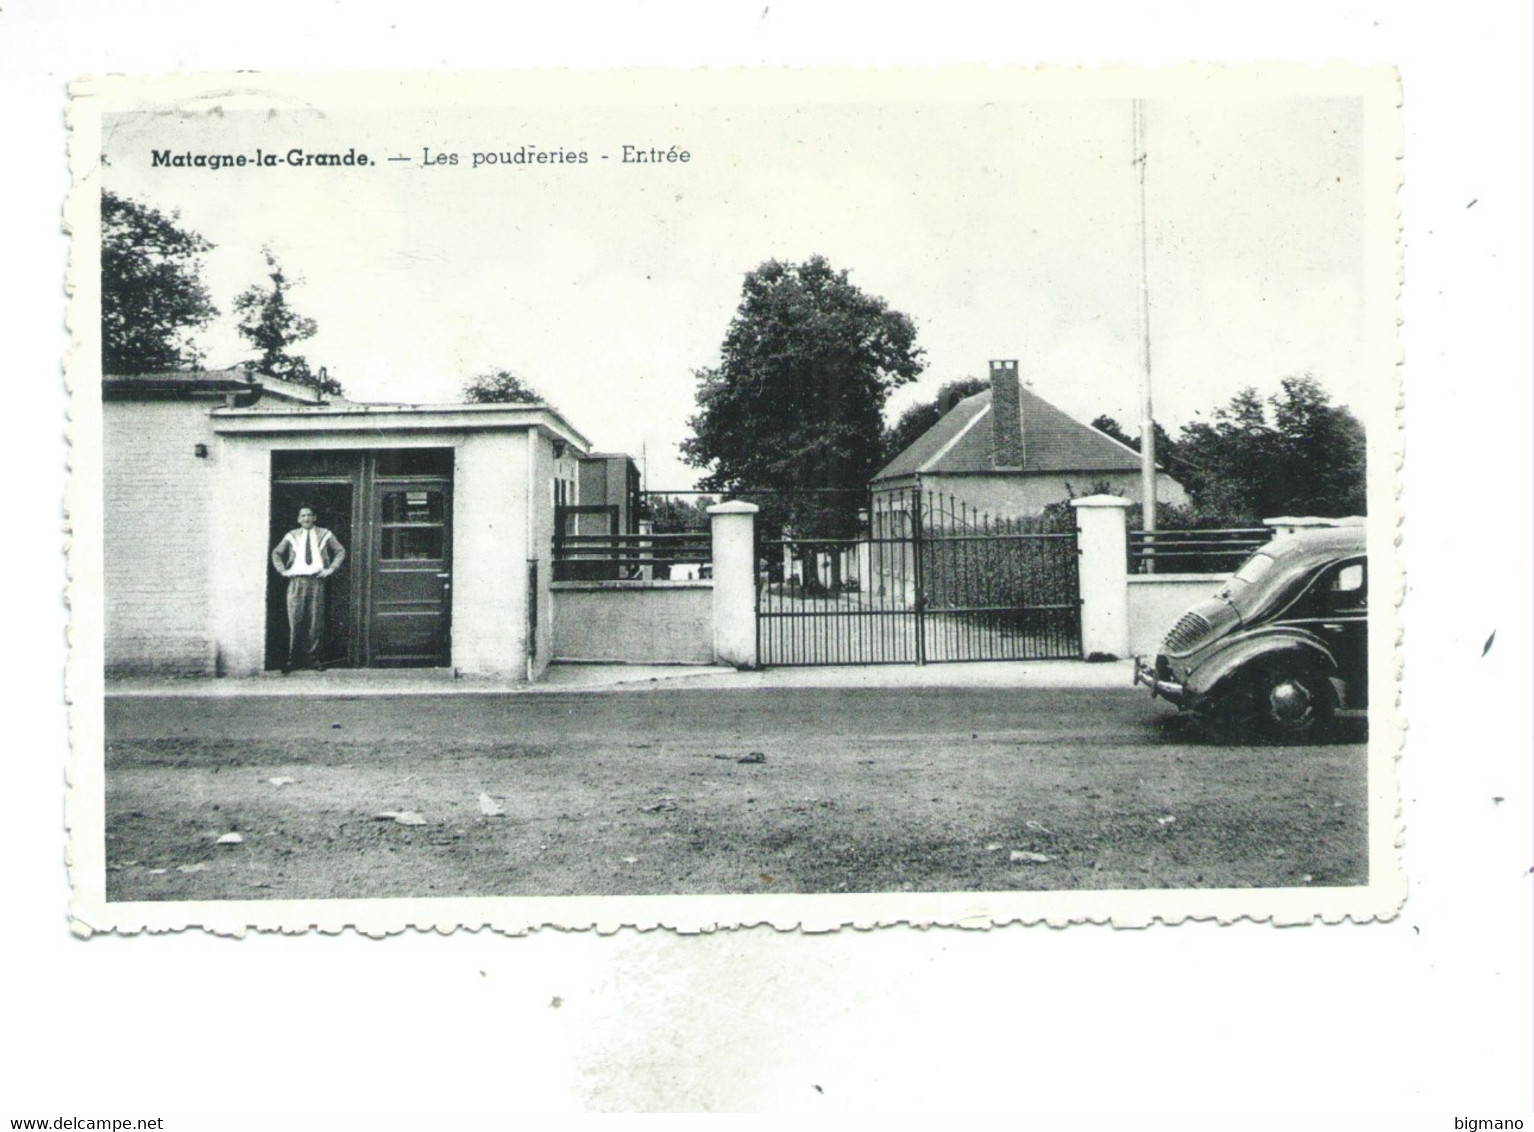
409,599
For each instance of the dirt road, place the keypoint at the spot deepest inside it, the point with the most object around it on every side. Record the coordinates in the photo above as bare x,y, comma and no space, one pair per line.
703,791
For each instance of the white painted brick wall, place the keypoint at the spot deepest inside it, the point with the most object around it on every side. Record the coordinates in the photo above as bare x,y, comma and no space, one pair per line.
663,623
240,538
186,542
541,548
1007,497
157,514
1156,601
490,555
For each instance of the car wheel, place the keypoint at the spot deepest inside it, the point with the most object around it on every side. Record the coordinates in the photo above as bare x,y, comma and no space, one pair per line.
1281,703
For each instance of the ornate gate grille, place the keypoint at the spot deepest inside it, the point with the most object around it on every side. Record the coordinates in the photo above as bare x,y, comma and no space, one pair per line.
928,579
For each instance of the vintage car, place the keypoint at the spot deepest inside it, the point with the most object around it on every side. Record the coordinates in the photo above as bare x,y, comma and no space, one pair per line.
1284,644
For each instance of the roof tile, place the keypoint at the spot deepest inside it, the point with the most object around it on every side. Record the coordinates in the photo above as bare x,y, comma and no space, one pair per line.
1052,442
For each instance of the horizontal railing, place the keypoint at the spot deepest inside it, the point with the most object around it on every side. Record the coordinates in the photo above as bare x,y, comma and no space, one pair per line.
1193,552
630,556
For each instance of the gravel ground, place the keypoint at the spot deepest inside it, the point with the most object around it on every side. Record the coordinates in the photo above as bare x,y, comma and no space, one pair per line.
708,792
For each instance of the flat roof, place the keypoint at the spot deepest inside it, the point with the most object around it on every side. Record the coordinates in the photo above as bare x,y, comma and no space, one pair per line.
356,416
206,383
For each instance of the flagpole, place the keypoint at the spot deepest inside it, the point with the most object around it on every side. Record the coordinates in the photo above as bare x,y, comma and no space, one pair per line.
1147,414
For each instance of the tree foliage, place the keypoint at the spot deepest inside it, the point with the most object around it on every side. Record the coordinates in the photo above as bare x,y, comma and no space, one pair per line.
1167,454
674,514
924,414
500,387
1109,426
271,325
1293,453
152,294
796,402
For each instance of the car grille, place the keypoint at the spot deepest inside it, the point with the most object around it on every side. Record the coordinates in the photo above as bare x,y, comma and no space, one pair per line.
1190,629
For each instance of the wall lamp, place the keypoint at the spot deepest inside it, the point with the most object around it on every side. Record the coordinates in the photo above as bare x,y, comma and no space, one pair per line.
559,450
200,451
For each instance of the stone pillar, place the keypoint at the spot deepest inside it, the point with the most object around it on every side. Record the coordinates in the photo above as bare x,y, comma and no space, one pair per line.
734,534
1103,541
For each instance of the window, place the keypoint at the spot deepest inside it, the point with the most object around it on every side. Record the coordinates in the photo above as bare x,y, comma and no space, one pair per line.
1349,579
412,525
1256,566
412,543
412,506
1347,590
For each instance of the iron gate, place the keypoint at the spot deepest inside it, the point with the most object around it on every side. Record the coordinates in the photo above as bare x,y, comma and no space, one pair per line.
926,579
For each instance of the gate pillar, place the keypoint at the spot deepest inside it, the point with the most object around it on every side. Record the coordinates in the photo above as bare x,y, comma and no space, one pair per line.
1103,541
734,538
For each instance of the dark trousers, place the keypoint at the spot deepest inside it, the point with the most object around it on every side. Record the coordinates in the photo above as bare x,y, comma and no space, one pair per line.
306,620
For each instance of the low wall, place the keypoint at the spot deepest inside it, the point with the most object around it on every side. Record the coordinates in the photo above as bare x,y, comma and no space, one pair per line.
1156,601
634,622
164,654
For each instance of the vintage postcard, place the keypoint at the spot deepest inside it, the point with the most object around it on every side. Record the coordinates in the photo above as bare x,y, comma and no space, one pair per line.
815,498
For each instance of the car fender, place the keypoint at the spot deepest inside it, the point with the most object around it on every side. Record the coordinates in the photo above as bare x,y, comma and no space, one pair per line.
1262,645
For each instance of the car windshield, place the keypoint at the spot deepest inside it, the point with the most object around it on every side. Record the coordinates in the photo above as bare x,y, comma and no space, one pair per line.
1251,571
1256,566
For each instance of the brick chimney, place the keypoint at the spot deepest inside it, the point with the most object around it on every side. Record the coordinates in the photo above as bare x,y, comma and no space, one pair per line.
1006,416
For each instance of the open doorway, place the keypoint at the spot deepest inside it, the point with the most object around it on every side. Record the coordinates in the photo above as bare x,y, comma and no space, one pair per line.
332,503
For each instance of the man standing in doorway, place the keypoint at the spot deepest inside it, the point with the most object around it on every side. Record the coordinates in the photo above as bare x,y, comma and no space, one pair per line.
307,556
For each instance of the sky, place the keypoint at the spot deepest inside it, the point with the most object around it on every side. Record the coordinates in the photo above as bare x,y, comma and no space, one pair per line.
1006,227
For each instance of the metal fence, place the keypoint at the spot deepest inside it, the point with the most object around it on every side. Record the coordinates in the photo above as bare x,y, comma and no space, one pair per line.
926,579
1216,551
835,601
995,592
582,553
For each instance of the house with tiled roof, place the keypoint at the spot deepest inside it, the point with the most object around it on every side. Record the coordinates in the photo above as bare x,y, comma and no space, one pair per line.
1008,453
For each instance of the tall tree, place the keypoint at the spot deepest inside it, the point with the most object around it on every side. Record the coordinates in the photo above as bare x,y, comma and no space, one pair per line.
924,414
1325,449
796,402
152,293
499,386
272,326
1294,453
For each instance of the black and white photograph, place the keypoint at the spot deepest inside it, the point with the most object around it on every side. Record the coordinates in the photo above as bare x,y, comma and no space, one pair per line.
833,560
908,490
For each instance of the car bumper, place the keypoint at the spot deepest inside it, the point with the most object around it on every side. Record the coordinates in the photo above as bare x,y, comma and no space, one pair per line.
1166,689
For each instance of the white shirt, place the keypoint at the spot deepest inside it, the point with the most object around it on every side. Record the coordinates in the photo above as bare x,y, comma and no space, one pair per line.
317,537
